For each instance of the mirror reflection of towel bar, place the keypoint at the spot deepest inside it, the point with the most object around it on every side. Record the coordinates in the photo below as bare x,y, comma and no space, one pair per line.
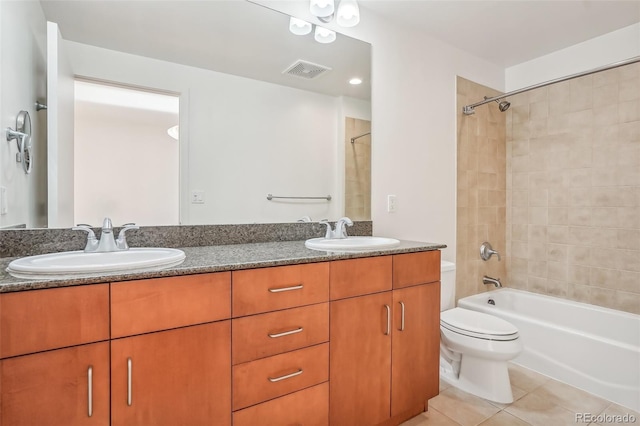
272,197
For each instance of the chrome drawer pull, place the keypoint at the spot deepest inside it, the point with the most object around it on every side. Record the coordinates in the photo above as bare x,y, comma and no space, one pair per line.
279,290
287,376
90,387
388,332
402,316
285,333
129,368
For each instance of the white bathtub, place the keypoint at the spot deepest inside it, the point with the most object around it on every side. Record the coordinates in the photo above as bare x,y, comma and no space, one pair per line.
589,347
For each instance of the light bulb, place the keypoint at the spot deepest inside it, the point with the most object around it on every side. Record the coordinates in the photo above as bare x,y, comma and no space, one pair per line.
348,13
322,8
299,27
324,35
355,81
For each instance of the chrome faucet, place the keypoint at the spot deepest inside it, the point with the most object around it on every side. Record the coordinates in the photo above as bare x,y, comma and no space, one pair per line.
340,230
495,281
107,242
92,241
121,241
341,227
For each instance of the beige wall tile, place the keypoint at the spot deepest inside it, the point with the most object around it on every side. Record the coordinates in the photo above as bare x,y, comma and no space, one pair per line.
482,185
588,162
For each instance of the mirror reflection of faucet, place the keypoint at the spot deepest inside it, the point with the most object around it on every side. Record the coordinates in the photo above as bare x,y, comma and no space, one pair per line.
107,242
340,230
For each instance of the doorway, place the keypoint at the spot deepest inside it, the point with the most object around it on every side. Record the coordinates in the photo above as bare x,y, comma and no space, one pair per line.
126,155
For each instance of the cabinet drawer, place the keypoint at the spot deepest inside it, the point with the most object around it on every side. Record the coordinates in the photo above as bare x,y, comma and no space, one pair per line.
268,378
34,321
416,268
308,407
263,335
269,289
164,303
356,277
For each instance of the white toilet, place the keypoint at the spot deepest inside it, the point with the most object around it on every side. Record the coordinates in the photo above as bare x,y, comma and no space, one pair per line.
474,346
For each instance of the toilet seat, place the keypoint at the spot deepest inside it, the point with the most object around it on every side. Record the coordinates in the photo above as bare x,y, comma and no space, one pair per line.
478,325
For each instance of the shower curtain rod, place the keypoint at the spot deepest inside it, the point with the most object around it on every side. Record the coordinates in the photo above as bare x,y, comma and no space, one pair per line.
470,109
353,139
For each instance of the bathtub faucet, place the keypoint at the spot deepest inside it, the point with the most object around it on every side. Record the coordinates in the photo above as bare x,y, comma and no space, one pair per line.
495,281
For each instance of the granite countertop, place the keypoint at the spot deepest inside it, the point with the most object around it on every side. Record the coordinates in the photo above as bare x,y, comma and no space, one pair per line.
206,259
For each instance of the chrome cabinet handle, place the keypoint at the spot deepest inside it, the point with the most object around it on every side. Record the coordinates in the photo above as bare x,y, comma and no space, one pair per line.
279,290
285,333
90,392
286,376
401,316
388,332
129,390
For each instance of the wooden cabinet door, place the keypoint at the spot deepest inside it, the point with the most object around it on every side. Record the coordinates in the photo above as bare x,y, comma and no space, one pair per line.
360,360
177,377
415,347
63,387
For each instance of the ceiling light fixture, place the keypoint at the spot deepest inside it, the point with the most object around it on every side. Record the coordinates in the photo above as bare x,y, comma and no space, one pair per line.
355,81
348,13
324,35
322,8
299,27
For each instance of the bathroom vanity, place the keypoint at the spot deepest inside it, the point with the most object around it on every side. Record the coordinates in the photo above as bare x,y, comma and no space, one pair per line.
314,339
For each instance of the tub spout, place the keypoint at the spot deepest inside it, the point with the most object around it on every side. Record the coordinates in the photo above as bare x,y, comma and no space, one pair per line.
495,281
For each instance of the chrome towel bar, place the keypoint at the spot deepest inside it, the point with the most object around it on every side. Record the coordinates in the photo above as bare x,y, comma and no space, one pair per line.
272,197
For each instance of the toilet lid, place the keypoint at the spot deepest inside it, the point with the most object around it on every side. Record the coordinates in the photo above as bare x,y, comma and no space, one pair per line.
477,324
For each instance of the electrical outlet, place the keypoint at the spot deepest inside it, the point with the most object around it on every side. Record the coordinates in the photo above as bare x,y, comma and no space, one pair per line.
392,204
197,197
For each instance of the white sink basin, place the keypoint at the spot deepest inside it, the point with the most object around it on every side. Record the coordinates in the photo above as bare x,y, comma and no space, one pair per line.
79,263
351,243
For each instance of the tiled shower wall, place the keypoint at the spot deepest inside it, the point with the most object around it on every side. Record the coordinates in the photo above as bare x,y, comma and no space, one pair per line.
357,160
573,189
481,185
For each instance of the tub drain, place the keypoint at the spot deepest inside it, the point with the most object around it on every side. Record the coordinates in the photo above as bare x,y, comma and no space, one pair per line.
491,302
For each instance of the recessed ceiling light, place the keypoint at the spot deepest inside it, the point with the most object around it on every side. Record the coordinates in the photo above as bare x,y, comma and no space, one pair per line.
355,81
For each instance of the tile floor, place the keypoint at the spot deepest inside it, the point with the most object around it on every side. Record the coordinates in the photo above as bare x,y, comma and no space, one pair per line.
538,401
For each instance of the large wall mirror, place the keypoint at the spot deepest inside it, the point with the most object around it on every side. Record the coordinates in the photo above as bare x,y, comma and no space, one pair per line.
237,107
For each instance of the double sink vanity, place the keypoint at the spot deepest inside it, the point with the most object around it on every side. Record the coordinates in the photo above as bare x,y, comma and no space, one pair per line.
269,333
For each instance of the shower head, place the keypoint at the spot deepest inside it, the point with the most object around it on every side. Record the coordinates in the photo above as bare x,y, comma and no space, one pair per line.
502,105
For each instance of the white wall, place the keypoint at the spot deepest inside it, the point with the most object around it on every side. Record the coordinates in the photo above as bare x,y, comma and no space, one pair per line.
114,146
413,124
22,81
607,49
245,138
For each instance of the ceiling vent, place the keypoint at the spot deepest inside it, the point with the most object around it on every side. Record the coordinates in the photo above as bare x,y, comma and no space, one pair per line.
307,70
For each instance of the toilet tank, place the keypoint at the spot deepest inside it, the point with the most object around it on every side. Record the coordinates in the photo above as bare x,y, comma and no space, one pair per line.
447,285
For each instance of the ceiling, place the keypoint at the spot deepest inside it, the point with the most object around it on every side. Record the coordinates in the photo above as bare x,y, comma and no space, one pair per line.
509,32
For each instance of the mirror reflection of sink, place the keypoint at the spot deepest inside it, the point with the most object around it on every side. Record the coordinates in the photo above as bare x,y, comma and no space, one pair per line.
80,263
351,243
